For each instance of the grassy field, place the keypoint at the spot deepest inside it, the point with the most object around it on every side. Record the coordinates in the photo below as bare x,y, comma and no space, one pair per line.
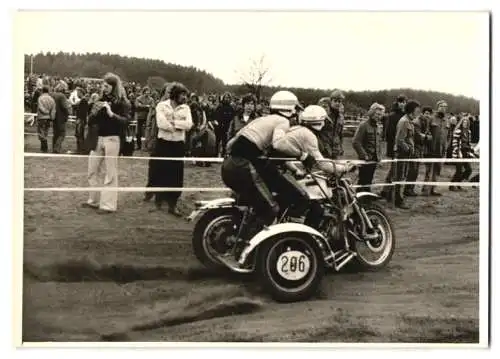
132,275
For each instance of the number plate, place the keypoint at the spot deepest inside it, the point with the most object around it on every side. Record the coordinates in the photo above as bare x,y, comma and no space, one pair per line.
293,265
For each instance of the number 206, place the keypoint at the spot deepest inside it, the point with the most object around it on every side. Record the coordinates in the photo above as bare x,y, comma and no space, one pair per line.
293,264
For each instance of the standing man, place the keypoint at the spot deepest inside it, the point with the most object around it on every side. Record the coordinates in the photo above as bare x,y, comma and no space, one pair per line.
63,109
46,113
404,148
439,131
142,105
389,135
223,116
366,143
74,98
422,140
330,137
82,112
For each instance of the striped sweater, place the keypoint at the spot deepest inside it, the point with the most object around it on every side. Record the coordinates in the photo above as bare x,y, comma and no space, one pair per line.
460,142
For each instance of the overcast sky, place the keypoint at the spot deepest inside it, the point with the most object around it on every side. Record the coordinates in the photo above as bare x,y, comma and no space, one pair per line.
348,50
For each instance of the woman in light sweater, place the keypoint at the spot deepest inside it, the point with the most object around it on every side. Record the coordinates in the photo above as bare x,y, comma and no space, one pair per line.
173,117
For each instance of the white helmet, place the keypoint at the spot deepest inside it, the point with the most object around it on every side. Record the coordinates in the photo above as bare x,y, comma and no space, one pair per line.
314,116
285,102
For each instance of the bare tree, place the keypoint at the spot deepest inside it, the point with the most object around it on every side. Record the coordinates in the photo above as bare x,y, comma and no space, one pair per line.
256,76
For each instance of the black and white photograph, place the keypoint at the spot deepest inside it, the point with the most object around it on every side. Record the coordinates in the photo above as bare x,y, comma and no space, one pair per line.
252,176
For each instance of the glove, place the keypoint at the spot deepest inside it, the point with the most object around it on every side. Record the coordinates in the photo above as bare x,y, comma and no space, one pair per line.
308,161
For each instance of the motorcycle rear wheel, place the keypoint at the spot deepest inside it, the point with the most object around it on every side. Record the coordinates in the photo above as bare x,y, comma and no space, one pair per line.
225,220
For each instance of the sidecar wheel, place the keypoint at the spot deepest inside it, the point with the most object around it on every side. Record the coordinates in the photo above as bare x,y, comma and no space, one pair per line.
290,268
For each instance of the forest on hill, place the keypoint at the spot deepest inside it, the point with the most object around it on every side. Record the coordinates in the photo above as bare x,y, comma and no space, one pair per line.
154,72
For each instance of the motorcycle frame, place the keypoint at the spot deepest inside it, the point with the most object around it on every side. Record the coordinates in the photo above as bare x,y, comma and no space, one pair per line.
332,259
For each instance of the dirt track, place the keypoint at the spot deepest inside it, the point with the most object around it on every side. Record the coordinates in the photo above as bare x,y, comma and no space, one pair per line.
132,275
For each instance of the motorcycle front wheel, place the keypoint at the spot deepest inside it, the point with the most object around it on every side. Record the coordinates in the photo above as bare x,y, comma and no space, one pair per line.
290,267
375,254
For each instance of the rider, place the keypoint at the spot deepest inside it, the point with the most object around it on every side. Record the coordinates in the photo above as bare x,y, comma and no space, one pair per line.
246,172
301,142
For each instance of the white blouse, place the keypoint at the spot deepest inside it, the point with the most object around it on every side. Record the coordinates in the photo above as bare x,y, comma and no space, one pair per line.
173,123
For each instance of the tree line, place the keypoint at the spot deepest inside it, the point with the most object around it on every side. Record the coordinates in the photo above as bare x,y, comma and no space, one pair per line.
151,71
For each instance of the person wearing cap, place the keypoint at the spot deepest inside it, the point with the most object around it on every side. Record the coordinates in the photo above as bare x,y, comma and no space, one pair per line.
330,136
404,148
439,131
366,143
325,103
388,135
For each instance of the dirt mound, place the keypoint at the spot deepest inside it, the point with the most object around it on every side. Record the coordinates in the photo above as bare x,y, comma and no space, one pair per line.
86,270
219,304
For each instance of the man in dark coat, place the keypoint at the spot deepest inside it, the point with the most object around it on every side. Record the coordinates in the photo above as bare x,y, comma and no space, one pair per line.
389,136
223,116
63,110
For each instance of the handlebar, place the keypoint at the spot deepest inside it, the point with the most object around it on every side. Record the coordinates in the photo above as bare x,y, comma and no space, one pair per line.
350,166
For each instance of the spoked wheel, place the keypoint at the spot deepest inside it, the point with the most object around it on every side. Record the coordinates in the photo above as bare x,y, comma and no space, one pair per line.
214,235
290,267
376,253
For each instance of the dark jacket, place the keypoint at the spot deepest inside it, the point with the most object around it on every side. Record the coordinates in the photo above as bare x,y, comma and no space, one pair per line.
238,123
142,106
366,141
440,126
63,107
224,115
330,137
390,128
83,110
404,142
100,124
423,137
474,128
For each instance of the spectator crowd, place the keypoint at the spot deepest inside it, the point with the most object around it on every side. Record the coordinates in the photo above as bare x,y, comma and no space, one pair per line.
206,123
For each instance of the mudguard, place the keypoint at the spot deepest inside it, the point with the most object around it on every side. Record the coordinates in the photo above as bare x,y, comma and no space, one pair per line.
274,230
202,206
219,202
362,195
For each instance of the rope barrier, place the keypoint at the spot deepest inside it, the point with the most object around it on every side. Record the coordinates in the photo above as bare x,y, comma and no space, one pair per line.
31,117
127,189
185,159
71,118
222,189
219,159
